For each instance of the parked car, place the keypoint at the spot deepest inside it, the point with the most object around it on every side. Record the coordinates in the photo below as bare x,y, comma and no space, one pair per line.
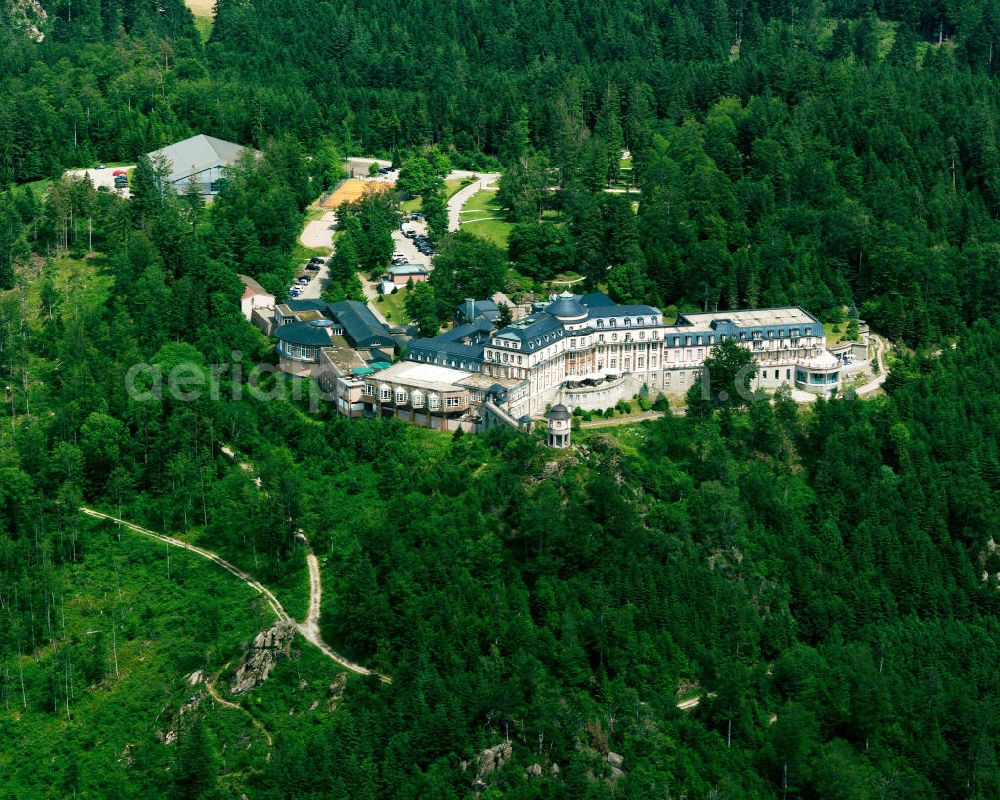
295,291
317,260
312,267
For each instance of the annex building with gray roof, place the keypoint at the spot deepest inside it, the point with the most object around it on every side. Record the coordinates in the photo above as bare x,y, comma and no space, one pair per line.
201,158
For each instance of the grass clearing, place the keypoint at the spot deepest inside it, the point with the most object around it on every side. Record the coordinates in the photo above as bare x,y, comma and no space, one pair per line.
411,205
496,230
204,27
481,205
452,185
393,307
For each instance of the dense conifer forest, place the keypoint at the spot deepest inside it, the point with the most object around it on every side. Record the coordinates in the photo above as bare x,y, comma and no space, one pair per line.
824,581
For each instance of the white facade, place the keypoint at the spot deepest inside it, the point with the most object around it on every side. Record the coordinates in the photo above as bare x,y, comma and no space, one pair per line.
590,356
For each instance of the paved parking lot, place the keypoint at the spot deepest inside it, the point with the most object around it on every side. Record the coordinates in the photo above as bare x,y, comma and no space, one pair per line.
408,249
102,177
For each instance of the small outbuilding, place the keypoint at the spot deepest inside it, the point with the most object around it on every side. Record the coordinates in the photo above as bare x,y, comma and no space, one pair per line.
559,421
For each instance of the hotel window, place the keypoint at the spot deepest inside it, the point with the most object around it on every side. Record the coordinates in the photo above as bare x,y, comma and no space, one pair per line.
417,399
369,388
641,362
642,334
452,402
627,322
600,323
687,341
519,358
385,394
433,402
613,323
400,396
572,343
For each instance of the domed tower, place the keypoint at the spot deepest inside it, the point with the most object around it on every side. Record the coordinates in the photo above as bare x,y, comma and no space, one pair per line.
567,309
559,423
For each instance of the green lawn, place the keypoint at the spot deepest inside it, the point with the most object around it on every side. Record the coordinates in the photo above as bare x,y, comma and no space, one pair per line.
496,230
835,336
450,187
204,27
481,205
393,308
454,184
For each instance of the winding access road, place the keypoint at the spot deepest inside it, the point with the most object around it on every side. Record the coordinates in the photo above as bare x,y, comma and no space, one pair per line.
309,629
874,385
465,194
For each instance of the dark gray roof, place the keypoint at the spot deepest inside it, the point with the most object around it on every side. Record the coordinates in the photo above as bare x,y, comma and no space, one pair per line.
566,306
531,331
307,305
481,308
361,328
444,350
474,330
303,333
623,311
559,412
596,299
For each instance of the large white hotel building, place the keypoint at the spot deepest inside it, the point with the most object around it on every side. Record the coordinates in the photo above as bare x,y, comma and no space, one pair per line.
579,351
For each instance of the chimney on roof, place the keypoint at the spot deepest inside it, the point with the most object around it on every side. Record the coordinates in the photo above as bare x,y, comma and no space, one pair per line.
470,309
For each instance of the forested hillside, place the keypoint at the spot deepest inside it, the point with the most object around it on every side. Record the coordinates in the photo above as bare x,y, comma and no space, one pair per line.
824,581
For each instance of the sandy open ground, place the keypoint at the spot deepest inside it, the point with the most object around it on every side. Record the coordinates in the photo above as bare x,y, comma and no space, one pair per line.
201,8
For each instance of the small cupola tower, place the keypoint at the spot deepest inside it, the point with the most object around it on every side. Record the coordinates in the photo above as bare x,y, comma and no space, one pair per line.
559,422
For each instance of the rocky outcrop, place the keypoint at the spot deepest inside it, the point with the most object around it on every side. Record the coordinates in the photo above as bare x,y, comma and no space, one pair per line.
269,647
28,16
492,759
336,691
615,761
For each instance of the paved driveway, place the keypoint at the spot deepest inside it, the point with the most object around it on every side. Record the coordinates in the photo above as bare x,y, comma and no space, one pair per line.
319,232
463,195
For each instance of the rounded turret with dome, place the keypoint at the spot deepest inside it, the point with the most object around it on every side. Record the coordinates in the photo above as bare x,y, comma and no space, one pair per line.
559,421
567,308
